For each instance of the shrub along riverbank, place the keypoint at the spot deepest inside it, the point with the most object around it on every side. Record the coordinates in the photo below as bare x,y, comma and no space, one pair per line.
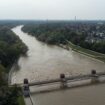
11,47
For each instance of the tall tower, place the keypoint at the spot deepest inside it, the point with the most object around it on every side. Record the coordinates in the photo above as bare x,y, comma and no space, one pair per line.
75,18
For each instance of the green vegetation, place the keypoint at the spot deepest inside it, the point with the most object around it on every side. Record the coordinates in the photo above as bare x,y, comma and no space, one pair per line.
53,33
76,33
10,49
87,52
21,100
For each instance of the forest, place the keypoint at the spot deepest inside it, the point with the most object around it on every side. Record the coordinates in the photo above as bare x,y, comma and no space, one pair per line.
61,32
11,47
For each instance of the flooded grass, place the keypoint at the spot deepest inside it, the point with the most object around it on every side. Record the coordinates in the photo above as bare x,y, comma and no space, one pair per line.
87,52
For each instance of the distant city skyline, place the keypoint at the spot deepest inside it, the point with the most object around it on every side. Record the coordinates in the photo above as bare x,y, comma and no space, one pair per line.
52,9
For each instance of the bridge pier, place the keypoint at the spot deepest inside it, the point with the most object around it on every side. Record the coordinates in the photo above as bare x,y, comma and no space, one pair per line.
26,90
63,81
95,78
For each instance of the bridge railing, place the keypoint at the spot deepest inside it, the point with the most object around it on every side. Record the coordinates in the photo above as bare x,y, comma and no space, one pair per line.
63,80
92,76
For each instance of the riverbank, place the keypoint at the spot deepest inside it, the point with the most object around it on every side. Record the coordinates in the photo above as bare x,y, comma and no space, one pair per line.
11,47
90,53
21,100
55,35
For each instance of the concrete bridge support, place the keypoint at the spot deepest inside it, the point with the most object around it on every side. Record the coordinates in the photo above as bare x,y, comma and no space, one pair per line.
63,81
26,90
95,77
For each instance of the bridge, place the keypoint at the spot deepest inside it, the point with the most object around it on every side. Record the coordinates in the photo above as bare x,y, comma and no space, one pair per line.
63,80
94,77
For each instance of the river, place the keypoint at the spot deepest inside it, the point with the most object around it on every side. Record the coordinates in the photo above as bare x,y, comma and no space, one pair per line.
45,62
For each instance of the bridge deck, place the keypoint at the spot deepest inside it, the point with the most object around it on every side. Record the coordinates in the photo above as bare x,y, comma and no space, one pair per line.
70,79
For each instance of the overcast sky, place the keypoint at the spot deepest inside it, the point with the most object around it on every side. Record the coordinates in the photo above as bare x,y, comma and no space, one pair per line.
52,9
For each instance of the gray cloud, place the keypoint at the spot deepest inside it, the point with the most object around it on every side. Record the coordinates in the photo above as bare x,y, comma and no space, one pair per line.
52,9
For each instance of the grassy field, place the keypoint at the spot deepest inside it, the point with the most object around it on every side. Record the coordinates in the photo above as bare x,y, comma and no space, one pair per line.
21,100
87,52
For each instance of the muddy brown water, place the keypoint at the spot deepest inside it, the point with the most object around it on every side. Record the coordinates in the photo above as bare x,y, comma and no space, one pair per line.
45,62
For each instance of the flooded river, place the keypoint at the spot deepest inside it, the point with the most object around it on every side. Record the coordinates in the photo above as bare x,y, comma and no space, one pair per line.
45,62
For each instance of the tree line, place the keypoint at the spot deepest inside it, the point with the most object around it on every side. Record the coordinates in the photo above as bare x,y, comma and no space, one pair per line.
10,49
61,32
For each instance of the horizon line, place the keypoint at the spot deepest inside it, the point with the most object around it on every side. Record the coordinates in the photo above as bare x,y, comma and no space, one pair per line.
52,20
